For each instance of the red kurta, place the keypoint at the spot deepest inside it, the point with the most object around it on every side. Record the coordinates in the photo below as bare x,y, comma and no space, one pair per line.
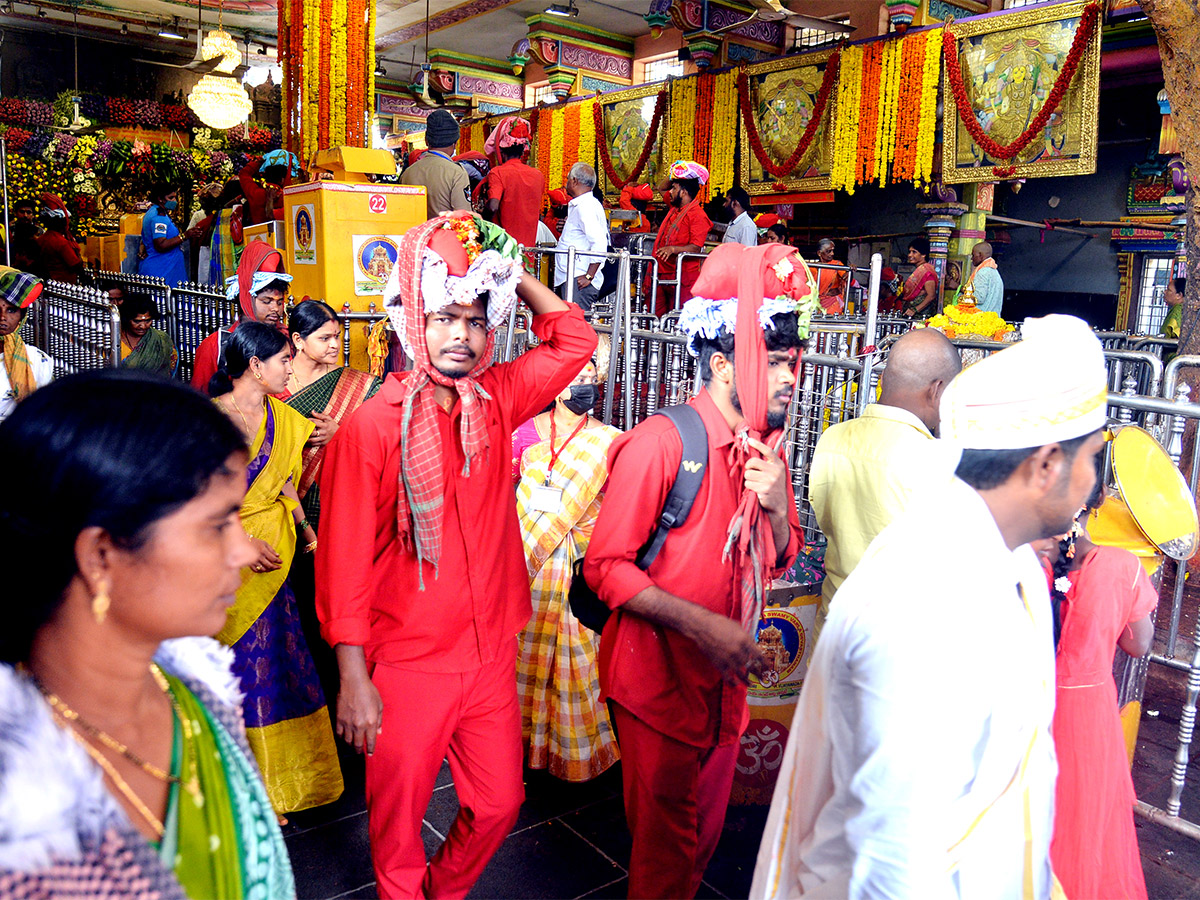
519,188
58,258
1094,850
367,581
656,673
686,225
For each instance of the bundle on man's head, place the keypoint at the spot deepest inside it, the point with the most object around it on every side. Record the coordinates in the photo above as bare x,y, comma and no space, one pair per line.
511,134
763,298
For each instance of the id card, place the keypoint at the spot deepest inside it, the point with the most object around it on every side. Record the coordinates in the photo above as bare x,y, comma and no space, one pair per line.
545,499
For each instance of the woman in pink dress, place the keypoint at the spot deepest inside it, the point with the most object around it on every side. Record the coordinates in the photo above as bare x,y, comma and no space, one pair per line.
1103,600
919,300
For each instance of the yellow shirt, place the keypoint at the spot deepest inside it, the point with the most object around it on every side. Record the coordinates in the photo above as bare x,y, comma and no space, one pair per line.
864,473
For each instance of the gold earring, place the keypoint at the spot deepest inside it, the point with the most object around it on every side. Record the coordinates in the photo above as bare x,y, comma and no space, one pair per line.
100,604
258,375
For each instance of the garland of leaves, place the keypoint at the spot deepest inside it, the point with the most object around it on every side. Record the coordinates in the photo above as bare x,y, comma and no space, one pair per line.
660,107
954,77
785,168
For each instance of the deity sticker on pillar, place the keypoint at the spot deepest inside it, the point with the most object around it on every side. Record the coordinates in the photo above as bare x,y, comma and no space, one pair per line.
374,257
304,245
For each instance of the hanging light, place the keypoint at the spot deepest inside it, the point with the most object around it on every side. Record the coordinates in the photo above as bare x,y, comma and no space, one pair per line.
219,99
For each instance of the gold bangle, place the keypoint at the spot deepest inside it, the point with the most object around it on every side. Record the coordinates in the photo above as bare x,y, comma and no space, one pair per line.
310,547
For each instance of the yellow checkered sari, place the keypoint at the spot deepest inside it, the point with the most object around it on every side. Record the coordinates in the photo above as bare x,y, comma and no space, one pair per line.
566,727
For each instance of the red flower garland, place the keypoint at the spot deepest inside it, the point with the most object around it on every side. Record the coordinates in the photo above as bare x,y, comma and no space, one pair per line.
651,136
1083,34
785,169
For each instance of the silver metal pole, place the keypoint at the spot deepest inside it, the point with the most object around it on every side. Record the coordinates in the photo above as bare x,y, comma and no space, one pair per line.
869,332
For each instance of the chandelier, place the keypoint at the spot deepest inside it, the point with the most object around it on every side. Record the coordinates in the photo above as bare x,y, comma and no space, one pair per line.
219,99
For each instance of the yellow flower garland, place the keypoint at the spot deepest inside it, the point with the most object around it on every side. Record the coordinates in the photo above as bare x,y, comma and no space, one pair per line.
681,120
337,65
554,177
587,132
928,99
725,100
845,131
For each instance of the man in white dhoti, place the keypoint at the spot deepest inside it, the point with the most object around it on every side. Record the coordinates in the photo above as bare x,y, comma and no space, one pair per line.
921,763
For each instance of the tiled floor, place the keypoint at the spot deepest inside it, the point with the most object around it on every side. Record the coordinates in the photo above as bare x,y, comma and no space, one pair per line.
569,841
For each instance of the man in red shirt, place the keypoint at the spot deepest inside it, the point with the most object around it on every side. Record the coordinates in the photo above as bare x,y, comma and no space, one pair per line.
676,655
421,579
277,168
514,189
58,257
684,230
261,288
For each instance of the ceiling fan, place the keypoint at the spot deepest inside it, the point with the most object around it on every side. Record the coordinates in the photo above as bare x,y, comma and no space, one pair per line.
197,63
78,124
775,11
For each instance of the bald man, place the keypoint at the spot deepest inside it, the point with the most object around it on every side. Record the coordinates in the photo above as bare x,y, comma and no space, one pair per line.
867,470
985,279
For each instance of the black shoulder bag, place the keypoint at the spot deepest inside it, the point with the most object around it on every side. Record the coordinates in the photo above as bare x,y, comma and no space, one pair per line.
588,608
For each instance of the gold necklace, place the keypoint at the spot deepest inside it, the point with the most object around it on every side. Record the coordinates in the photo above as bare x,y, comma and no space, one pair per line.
238,410
120,784
70,717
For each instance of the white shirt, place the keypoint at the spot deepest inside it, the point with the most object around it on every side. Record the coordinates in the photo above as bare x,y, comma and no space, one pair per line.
586,229
923,727
742,230
43,374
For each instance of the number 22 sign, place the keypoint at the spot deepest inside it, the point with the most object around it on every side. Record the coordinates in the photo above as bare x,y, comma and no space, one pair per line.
377,203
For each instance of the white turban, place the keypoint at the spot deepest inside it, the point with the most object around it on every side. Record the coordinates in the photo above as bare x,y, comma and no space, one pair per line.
1050,387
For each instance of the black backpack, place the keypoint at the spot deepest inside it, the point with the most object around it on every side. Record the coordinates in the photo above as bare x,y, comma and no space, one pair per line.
588,608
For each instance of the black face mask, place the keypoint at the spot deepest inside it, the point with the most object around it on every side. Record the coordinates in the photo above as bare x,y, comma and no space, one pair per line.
583,398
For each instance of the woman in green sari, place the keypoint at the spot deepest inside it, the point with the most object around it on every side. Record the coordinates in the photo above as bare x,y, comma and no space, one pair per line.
126,772
321,388
142,345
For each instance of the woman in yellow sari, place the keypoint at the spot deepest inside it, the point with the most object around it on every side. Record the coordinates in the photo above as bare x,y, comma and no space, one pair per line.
561,455
287,723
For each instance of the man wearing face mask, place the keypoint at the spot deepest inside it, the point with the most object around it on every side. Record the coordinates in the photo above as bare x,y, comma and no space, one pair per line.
559,465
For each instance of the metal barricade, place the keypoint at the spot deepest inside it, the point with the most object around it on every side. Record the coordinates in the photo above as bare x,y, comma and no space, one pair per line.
77,327
196,311
347,317
1113,340
1162,347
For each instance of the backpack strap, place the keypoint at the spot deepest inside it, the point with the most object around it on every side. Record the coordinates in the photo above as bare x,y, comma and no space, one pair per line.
692,464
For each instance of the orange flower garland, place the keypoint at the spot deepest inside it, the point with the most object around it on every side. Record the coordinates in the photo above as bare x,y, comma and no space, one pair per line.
570,140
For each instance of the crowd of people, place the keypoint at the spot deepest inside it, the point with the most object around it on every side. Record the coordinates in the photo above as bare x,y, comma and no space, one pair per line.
289,551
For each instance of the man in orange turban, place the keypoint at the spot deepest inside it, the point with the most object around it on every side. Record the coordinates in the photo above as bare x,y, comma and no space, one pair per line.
684,230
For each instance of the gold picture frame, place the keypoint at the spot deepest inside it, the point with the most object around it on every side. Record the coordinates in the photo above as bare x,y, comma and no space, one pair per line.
655,168
1076,131
752,176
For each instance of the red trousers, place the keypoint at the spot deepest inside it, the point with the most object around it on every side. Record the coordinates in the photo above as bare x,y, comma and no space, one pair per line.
471,719
675,801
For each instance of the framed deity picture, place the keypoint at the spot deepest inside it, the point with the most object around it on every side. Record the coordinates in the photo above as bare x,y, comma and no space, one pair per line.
783,100
1007,68
628,116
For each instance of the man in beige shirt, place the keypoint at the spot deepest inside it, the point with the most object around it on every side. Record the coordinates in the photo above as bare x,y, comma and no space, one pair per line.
865,471
447,187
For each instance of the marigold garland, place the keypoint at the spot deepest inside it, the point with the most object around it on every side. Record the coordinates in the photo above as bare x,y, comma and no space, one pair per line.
554,174
724,125
660,106
587,132
966,113
845,131
570,140
785,169
927,103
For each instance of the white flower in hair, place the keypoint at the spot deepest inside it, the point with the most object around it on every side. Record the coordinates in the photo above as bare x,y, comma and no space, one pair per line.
1062,584
704,318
